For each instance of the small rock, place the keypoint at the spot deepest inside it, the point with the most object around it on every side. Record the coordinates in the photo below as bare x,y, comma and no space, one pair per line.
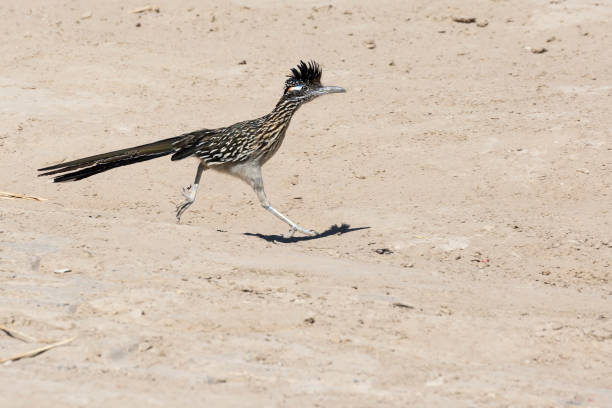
62,271
464,20
138,24
482,23
243,62
392,64
539,50
87,15
551,39
309,320
370,44
383,251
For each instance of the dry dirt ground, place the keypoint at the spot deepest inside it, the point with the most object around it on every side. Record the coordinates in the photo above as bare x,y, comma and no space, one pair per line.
474,175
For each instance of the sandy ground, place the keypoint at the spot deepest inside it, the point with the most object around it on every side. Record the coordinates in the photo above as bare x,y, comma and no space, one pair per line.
474,176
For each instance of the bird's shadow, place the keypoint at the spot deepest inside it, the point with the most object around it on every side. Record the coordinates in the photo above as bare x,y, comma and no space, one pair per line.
333,230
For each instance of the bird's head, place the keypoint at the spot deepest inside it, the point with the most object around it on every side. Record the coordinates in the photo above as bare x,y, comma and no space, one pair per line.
304,83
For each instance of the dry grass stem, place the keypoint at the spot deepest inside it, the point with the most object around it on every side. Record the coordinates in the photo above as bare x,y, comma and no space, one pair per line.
36,352
12,196
18,335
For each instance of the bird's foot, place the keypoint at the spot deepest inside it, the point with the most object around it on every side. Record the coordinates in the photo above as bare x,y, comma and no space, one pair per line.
182,207
189,195
304,231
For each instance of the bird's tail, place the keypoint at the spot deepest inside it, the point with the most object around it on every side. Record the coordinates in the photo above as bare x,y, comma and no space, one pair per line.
102,162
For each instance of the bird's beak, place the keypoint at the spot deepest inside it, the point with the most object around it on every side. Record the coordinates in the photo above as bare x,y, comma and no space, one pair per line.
329,90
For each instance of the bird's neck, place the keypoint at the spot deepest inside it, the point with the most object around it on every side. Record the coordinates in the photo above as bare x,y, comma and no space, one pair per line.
272,127
284,110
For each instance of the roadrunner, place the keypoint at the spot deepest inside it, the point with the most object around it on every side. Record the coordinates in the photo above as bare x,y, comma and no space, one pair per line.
240,149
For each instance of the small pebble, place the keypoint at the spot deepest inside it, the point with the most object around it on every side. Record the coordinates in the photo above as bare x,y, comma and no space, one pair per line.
464,20
539,50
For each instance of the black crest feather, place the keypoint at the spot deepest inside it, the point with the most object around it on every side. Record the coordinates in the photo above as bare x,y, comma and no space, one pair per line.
307,72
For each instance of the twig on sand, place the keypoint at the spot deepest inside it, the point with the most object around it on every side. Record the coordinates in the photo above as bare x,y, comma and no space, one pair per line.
11,196
38,351
145,9
17,335
402,305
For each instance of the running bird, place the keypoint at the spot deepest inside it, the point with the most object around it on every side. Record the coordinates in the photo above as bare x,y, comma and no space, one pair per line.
240,149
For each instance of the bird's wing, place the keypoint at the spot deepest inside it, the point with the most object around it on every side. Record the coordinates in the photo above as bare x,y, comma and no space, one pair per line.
218,146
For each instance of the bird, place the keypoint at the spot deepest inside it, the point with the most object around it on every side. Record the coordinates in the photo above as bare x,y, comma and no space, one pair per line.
239,150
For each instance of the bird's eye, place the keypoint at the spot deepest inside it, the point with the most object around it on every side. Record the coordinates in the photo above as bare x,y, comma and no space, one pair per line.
304,88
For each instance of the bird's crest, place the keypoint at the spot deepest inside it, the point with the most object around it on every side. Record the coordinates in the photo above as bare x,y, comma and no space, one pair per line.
309,73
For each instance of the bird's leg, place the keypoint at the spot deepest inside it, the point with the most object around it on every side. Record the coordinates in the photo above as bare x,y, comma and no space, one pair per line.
294,226
265,203
189,193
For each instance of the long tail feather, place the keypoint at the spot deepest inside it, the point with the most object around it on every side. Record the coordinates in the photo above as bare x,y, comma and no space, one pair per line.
106,161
